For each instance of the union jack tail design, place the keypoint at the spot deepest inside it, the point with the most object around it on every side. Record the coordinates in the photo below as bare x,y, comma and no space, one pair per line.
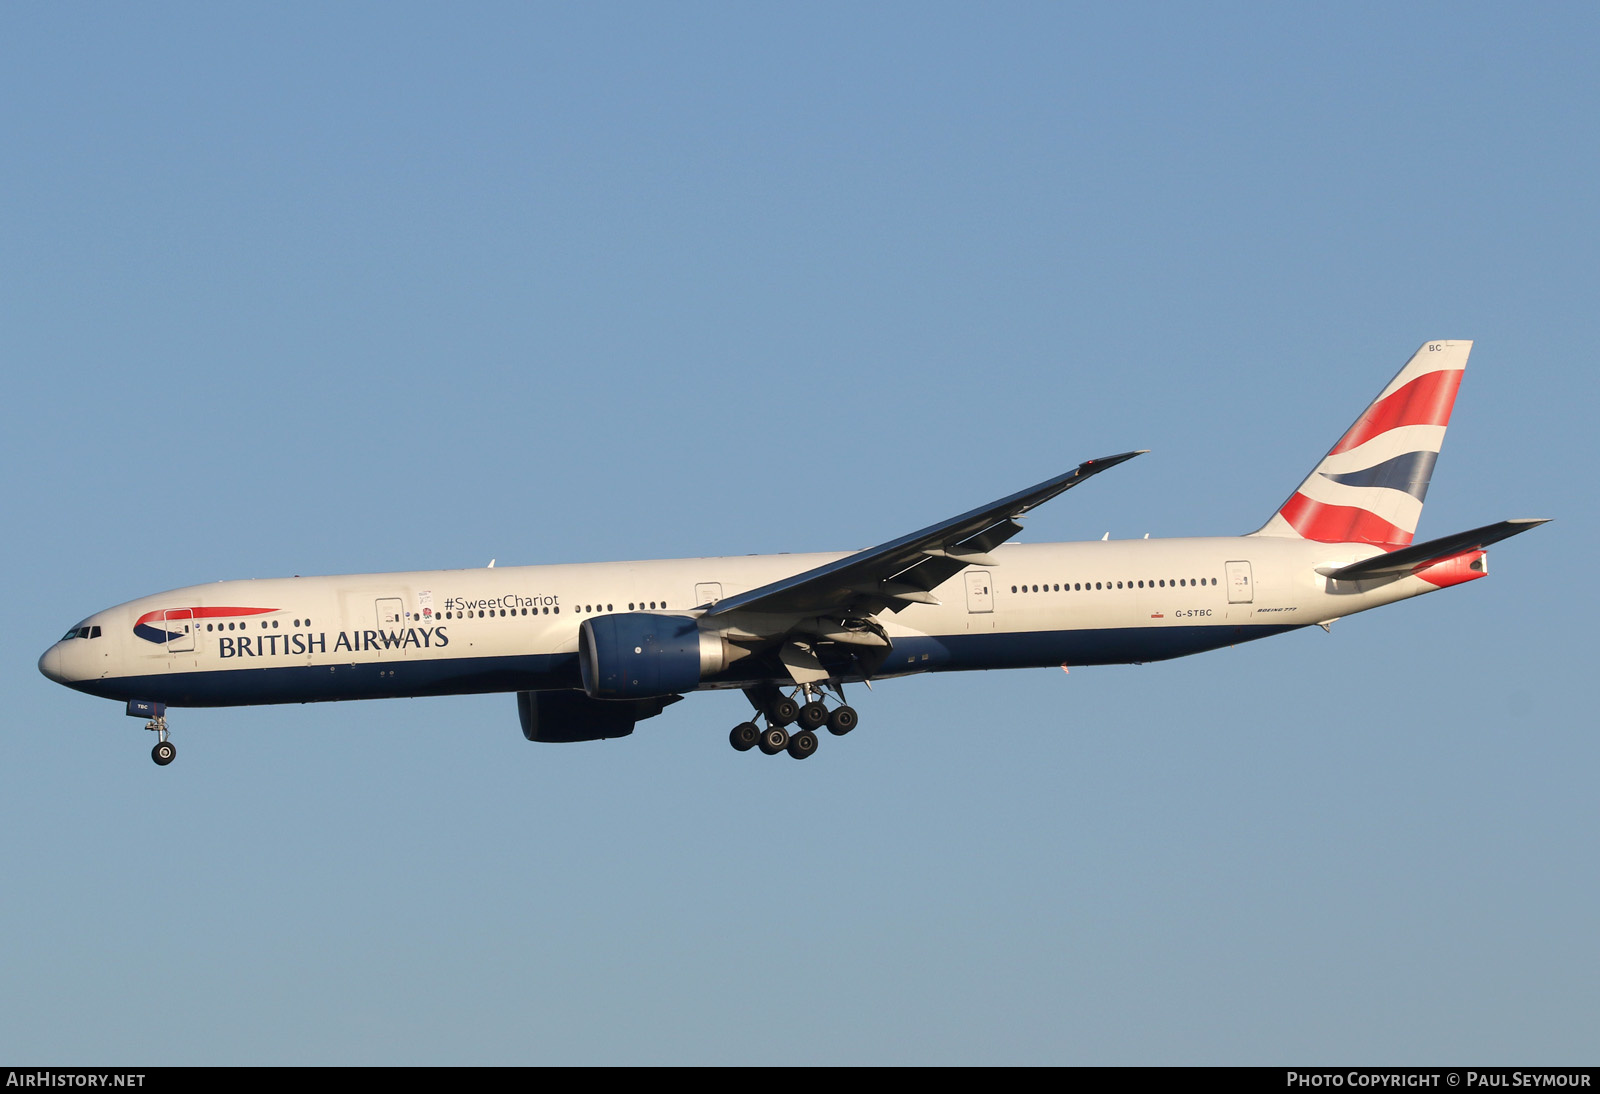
1369,488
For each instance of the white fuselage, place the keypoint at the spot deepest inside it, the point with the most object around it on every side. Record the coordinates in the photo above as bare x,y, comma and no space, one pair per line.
307,639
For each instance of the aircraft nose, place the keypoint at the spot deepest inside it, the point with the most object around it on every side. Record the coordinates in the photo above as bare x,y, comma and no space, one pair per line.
50,664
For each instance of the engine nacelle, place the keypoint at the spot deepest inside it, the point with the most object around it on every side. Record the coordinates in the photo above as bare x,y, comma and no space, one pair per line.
639,655
565,716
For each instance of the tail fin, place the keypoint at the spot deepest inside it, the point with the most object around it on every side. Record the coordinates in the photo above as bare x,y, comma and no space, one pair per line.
1369,488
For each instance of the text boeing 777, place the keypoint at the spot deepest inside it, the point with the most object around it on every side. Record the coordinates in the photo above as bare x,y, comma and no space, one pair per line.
592,649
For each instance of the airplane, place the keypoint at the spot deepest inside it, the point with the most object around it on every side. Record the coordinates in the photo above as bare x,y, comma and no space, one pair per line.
592,649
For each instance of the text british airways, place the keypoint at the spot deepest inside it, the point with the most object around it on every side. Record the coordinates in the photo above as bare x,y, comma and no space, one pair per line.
272,645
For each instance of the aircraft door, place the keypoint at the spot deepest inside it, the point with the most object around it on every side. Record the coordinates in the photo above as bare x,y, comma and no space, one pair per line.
391,627
1240,588
980,592
179,625
707,592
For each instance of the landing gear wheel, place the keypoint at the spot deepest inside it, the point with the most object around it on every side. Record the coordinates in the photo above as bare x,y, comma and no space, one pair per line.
813,715
803,744
784,711
745,736
842,721
774,740
164,753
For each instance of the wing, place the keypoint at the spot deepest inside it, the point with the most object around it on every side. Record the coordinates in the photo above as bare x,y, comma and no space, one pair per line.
903,571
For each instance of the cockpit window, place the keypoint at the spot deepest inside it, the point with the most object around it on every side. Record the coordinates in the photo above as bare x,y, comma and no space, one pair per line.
82,632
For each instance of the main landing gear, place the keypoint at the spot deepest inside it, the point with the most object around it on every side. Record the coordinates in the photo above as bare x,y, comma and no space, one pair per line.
781,711
165,751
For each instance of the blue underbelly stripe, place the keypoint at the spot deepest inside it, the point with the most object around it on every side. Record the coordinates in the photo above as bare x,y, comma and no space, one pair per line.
540,672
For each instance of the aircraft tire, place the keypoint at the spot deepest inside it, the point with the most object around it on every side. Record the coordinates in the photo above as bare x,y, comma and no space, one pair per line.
803,745
784,711
842,721
774,740
164,753
813,716
744,737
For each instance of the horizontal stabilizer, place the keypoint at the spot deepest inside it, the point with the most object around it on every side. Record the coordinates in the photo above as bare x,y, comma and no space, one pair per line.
1409,559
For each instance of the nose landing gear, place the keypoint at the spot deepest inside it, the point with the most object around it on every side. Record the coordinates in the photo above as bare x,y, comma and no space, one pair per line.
165,751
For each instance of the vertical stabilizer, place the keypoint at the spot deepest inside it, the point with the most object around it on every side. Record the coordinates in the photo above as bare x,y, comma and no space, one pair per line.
1369,488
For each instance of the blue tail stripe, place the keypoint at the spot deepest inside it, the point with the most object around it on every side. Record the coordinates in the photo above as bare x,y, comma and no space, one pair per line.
1410,473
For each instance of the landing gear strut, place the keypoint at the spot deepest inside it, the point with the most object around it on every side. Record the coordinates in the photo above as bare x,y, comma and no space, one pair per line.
805,710
165,751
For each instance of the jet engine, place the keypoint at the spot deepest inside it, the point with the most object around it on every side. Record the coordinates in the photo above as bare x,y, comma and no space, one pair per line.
565,716
640,655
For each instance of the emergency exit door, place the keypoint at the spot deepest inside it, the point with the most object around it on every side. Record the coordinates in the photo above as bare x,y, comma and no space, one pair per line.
980,592
1241,590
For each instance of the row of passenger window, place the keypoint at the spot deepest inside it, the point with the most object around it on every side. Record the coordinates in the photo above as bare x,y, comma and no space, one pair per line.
83,632
492,613
245,626
1091,586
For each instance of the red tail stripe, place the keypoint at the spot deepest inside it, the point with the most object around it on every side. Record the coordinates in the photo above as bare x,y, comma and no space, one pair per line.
1340,523
1427,400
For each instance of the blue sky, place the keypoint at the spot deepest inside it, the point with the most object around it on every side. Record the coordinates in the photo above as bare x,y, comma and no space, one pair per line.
381,287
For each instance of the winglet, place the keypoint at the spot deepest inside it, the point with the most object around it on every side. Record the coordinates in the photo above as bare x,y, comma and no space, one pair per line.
1111,461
